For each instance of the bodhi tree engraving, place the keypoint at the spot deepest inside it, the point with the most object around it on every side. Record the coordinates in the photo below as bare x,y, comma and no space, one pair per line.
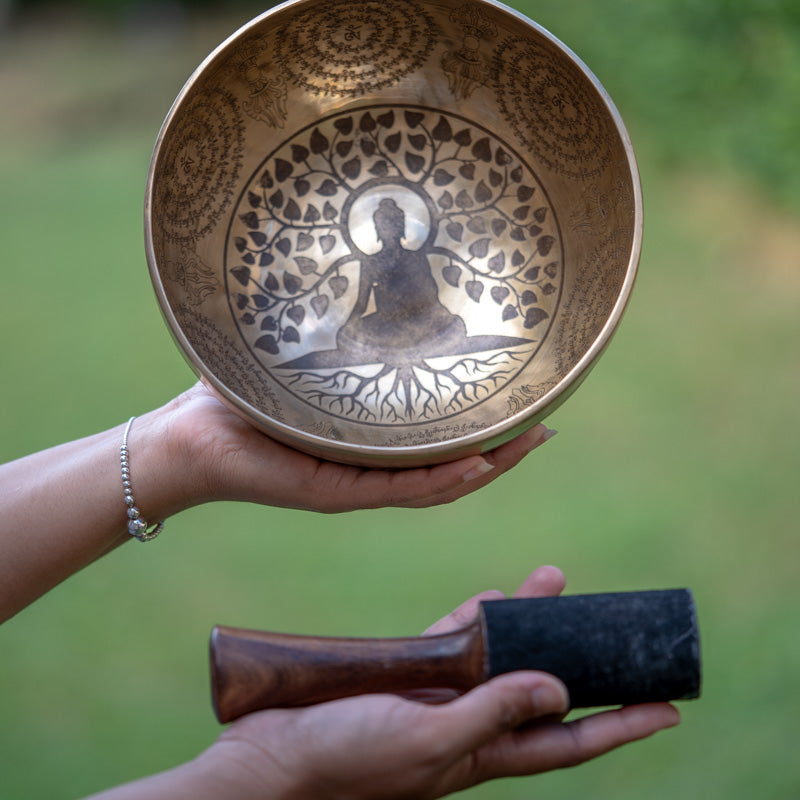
393,264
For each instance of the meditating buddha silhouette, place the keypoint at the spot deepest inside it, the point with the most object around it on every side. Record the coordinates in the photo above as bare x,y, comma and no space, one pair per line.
397,319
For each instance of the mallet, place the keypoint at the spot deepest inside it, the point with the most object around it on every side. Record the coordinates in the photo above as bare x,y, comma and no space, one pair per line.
609,649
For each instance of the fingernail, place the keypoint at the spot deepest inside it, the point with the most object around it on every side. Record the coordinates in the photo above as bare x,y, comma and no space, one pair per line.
550,698
481,468
540,434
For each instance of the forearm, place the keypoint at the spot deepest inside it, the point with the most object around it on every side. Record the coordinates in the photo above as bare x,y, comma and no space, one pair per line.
64,507
216,774
187,780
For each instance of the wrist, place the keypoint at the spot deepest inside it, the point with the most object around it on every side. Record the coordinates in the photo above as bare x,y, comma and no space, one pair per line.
200,779
163,471
240,769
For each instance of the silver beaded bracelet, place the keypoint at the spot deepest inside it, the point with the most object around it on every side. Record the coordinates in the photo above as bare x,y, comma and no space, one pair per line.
137,527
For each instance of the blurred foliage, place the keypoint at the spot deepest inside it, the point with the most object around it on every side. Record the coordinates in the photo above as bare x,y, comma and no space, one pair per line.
705,83
122,9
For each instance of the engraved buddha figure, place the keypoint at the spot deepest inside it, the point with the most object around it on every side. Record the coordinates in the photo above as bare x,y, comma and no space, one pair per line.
398,317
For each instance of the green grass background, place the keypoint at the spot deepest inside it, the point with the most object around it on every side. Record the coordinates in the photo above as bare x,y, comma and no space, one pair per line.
677,462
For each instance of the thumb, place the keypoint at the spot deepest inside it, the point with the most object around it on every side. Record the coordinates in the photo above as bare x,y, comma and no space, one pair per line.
502,704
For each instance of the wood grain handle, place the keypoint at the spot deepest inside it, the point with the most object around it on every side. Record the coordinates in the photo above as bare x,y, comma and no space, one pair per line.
254,670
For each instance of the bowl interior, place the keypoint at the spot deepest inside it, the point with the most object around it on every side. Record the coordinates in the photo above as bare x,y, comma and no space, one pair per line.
396,232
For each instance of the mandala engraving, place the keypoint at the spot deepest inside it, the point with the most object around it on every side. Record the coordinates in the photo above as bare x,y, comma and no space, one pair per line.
200,165
345,48
466,67
393,266
549,106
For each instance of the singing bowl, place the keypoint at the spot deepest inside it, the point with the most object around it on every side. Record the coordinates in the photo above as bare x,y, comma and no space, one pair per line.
392,232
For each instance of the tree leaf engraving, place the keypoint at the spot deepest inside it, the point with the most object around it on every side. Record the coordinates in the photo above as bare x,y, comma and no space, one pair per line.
442,177
296,265
452,274
242,274
292,283
304,241
268,343
319,142
319,305
283,169
306,265
296,314
499,294
474,289
339,285
290,334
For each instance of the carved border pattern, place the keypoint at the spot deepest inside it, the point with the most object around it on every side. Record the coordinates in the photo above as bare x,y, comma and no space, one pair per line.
225,359
195,278
589,304
434,434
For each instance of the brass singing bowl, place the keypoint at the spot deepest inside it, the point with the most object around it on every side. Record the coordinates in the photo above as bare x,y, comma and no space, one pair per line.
393,232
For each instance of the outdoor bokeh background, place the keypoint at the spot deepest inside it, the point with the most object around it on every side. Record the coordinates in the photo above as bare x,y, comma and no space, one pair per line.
676,464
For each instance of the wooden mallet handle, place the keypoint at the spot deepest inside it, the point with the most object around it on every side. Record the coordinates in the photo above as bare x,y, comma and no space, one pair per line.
252,670
609,649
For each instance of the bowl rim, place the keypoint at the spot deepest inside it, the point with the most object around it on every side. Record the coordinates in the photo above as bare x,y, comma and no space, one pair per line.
478,441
